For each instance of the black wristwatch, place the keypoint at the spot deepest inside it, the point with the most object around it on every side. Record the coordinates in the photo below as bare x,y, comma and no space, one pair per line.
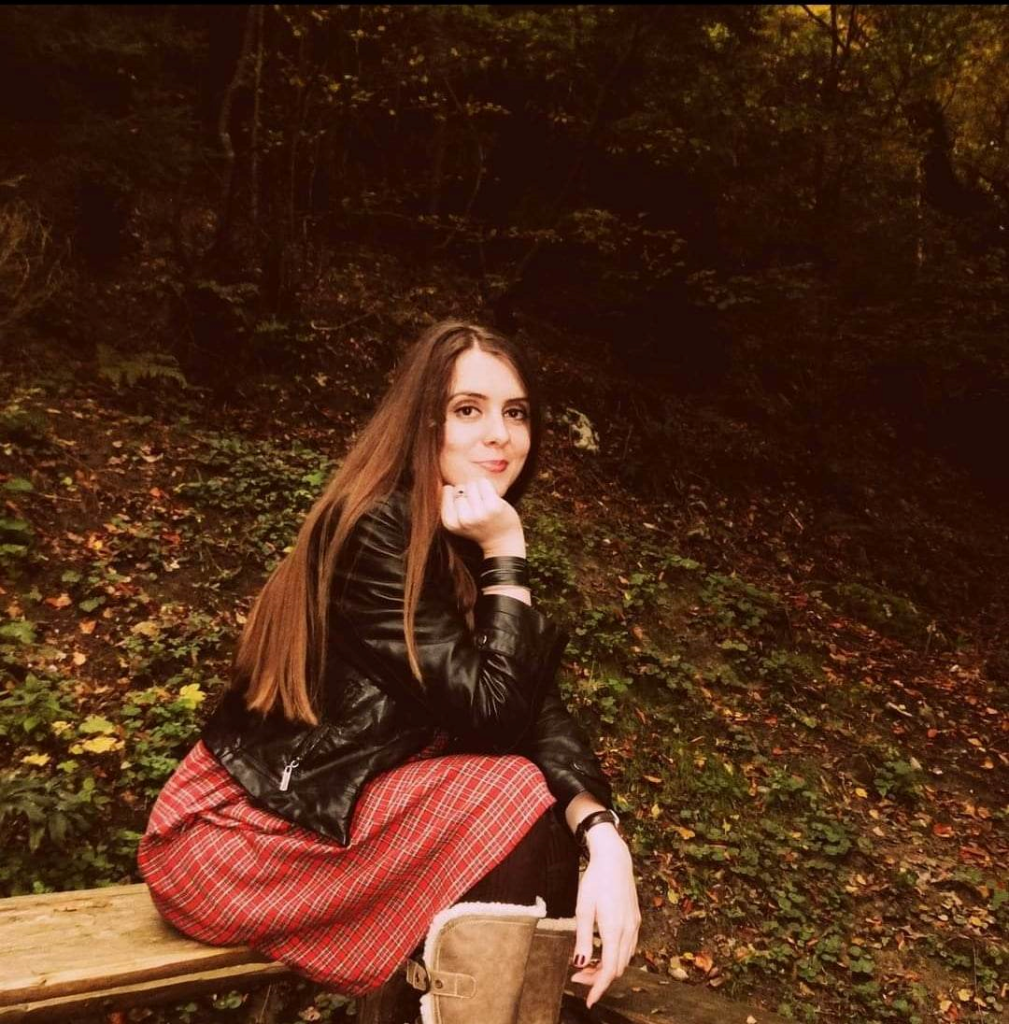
595,818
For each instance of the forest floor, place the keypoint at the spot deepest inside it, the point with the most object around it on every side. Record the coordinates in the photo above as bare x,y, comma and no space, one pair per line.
794,661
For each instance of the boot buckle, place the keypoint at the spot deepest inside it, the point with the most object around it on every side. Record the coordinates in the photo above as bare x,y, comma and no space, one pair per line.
444,983
417,976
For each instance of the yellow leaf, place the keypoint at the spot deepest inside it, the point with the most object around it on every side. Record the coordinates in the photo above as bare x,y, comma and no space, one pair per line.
192,695
76,748
79,658
147,628
87,626
39,759
656,810
59,727
59,602
963,995
860,792
100,744
685,833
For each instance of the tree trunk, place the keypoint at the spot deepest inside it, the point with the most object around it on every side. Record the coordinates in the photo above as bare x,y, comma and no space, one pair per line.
222,242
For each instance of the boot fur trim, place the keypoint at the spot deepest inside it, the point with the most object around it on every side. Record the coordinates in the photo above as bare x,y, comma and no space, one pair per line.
442,918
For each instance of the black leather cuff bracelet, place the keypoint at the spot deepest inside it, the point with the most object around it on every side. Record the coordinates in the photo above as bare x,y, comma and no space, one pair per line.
510,570
595,818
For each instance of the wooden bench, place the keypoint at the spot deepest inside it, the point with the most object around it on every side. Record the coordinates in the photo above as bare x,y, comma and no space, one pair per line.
72,954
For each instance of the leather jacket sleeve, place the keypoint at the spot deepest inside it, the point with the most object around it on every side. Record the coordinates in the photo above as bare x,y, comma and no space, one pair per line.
486,686
560,749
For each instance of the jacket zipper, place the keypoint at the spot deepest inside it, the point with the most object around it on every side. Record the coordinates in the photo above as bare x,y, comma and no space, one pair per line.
285,778
289,766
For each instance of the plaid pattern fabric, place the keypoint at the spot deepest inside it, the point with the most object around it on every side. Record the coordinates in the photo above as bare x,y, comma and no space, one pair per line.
226,873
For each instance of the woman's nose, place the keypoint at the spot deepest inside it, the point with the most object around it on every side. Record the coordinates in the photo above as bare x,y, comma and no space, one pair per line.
497,429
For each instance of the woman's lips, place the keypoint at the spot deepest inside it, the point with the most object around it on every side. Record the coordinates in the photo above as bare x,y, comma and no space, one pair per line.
495,467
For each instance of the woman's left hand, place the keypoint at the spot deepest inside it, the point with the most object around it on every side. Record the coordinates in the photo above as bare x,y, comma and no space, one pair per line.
608,899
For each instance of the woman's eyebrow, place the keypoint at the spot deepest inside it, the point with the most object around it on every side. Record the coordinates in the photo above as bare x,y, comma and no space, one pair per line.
476,394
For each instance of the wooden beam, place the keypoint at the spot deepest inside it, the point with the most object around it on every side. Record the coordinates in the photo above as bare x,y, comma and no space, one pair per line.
164,990
638,997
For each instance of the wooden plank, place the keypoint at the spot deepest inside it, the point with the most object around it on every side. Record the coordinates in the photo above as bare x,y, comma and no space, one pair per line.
172,990
60,945
638,997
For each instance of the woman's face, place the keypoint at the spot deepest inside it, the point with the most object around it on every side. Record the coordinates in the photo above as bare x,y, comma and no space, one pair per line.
486,422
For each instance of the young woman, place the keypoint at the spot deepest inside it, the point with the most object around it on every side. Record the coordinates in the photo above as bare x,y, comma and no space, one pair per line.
392,759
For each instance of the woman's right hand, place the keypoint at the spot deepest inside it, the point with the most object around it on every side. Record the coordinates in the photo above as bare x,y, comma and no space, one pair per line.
482,515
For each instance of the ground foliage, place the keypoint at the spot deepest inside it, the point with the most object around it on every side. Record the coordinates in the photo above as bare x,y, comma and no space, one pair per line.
803,708
758,253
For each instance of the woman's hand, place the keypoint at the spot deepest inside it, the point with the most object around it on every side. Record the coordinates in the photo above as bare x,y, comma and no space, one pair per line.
607,898
482,515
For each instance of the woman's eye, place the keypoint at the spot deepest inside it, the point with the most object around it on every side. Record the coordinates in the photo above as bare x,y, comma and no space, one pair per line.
523,414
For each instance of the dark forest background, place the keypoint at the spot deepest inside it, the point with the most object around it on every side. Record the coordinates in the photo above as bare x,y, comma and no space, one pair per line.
760,254
665,181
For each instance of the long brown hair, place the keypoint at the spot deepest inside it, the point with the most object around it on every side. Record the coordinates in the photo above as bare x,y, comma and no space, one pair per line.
281,655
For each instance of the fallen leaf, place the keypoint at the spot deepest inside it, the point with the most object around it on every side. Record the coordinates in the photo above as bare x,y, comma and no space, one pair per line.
101,744
37,759
59,602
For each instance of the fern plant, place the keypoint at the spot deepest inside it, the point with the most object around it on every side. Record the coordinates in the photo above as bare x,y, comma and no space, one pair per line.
122,368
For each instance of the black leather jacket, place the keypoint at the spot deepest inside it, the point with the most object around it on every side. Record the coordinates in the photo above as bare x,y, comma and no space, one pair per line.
493,690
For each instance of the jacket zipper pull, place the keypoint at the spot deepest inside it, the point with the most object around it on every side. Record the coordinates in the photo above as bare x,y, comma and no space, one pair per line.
285,778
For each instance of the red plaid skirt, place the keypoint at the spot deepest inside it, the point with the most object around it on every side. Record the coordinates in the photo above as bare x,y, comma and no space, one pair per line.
227,873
